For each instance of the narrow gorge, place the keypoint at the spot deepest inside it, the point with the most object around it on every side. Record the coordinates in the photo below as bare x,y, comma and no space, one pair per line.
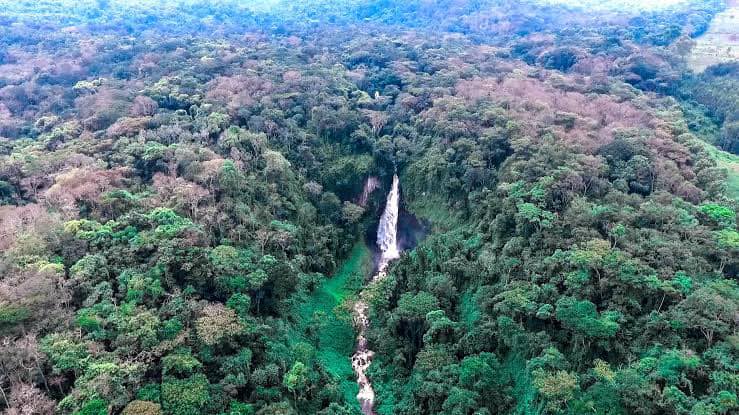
387,242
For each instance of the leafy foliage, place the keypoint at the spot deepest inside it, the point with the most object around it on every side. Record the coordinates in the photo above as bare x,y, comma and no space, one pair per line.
183,229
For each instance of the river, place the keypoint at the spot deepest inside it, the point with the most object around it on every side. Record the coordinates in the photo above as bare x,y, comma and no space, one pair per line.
387,242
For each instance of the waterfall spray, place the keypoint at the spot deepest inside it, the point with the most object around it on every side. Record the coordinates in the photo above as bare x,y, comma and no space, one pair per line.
387,241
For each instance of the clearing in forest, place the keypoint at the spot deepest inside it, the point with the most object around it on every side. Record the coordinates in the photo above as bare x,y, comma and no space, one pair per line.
720,43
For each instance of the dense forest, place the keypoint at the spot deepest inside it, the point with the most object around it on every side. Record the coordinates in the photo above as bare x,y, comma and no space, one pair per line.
188,208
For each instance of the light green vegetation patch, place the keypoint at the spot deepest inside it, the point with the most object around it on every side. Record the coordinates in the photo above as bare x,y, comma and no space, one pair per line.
708,132
514,366
730,162
324,308
470,314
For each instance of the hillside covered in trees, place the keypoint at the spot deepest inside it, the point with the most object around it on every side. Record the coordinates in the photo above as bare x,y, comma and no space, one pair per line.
187,213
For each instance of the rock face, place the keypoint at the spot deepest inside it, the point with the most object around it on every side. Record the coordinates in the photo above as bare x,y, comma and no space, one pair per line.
370,185
387,241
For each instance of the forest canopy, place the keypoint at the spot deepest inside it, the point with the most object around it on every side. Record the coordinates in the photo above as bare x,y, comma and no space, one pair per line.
189,194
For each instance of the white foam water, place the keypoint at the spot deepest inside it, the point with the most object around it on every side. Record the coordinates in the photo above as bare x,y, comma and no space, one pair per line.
387,231
387,241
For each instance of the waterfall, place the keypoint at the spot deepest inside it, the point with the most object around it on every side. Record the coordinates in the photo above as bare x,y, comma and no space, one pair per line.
387,241
387,231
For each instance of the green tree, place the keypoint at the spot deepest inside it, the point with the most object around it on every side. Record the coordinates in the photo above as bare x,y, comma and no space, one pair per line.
185,396
296,379
582,316
556,388
711,310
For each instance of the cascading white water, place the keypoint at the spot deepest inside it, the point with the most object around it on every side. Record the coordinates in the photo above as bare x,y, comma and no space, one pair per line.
387,241
387,231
